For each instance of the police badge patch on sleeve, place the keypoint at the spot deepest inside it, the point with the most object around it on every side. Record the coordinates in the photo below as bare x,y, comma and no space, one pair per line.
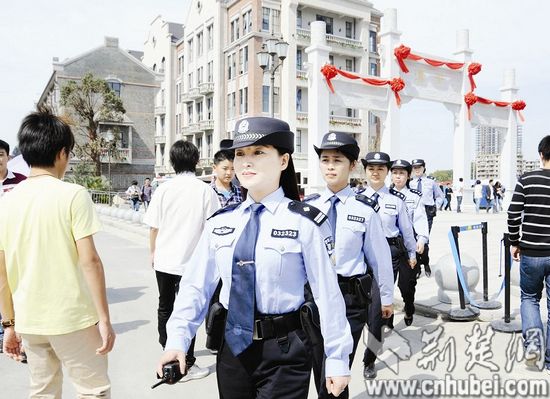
223,231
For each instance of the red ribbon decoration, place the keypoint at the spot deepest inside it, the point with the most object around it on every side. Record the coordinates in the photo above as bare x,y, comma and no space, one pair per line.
403,52
470,99
473,69
330,71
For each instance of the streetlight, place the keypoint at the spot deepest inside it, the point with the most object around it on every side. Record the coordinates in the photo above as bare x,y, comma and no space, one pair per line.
272,50
109,138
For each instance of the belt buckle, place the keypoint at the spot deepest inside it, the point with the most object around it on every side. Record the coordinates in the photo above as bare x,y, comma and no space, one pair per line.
255,336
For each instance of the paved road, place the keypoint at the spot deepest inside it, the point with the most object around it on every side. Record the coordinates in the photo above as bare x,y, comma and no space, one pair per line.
132,295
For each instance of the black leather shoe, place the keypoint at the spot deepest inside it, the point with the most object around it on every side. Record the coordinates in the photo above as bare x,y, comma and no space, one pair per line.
369,372
427,270
408,320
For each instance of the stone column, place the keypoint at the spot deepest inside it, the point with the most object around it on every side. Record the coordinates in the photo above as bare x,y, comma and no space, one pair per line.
390,38
318,102
463,127
509,153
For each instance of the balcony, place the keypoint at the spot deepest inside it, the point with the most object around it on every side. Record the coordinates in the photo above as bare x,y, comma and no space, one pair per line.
301,77
205,163
160,110
301,120
191,128
206,124
160,139
120,155
345,123
345,44
206,88
191,95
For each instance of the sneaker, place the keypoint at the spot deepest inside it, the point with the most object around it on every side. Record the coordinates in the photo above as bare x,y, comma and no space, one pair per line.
532,355
195,373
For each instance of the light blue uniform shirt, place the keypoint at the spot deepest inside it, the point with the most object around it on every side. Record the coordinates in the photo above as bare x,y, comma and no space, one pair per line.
417,213
290,250
431,193
395,219
359,235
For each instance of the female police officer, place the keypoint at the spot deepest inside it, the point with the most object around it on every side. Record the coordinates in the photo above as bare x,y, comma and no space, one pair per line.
359,240
400,173
400,236
264,250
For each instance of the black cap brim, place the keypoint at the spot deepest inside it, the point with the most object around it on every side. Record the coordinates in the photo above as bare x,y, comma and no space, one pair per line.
375,162
349,149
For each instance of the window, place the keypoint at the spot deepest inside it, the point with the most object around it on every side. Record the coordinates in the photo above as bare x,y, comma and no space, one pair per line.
209,104
349,27
162,125
276,101
349,112
372,42
243,59
331,59
210,71
299,100
199,44
189,114
276,21
247,22
231,66
210,32
177,93
231,105
199,146
265,98
373,69
198,107
115,86
177,124
298,18
162,65
299,59
209,145
241,102
162,96
180,65
349,65
245,102
199,75
190,50
298,140
234,30
266,13
328,21
190,81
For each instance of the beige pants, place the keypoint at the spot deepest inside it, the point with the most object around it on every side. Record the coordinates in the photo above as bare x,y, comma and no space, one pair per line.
76,352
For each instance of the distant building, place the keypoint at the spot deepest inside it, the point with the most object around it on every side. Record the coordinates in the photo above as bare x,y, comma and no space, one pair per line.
136,85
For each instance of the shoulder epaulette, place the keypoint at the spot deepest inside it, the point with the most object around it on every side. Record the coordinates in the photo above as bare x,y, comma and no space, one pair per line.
431,177
412,190
311,197
228,208
398,194
368,201
309,211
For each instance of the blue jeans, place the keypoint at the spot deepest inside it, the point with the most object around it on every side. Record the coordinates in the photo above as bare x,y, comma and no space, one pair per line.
477,201
534,272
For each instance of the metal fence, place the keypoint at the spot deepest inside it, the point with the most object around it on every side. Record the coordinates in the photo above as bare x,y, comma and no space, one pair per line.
118,199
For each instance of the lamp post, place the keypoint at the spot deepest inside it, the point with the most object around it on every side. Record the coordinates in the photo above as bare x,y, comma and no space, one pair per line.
109,138
271,57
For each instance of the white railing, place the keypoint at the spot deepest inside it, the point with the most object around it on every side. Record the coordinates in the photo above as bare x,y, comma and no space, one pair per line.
160,139
305,34
120,155
345,121
160,110
300,74
206,87
207,124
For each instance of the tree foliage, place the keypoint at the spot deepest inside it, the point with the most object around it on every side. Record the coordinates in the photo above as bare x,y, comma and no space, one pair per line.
88,103
443,175
83,174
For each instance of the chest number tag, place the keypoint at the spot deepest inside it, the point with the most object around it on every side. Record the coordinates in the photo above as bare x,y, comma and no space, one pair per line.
390,206
354,218
284,233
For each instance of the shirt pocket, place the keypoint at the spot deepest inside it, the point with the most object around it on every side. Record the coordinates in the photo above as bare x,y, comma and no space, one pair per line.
351,236
223,253
281,259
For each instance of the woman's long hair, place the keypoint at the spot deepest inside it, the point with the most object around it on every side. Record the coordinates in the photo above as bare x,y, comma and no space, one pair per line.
288,180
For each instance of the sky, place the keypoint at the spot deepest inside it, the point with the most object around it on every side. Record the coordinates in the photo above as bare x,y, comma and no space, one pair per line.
503,35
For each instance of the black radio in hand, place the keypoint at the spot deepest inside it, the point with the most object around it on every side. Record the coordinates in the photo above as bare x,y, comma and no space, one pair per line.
170,374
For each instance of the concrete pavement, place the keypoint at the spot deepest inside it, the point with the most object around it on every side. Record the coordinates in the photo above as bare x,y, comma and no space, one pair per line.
409,351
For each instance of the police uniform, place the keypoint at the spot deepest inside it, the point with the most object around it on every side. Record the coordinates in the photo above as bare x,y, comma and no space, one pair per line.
400,236
433,197
265,352
359,241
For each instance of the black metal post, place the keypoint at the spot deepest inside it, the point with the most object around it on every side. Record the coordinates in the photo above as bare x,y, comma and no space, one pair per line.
455,230
507,266
485,266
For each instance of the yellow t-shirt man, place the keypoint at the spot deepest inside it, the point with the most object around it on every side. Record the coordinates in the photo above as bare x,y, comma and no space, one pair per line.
40,222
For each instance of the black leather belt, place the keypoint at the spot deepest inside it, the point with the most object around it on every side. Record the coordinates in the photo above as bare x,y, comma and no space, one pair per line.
347,284
276,326
392,240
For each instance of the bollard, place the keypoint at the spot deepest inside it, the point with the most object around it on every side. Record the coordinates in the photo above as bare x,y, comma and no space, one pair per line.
486,303
465,313
507,324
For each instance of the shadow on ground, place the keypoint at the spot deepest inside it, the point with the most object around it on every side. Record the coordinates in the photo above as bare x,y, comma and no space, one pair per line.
125,294
121,328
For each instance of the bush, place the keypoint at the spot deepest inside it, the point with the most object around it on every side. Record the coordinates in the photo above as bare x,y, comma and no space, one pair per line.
84,174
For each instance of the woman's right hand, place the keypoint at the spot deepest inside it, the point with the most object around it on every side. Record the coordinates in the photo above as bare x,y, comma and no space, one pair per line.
169,356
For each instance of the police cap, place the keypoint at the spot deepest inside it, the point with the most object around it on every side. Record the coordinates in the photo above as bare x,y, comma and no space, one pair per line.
339,141
259,130
376,158
418,162
226,144
401,164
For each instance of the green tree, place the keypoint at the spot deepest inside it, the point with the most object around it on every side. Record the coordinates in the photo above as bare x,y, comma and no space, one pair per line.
90,102
443,175
83,174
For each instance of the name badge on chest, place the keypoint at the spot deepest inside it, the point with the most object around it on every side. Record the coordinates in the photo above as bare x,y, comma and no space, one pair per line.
358,219
223,231
284,233
390,206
